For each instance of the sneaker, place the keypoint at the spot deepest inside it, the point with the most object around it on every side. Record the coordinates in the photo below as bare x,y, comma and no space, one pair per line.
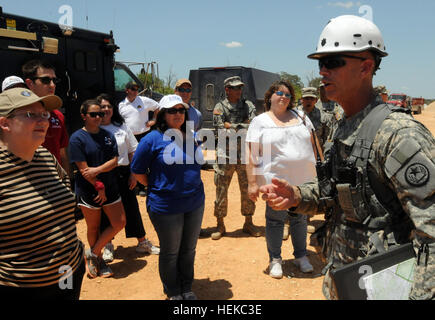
177,297
219,232
105,271
108,252
251,229
189,296
304,264
146,246
92,264
275,268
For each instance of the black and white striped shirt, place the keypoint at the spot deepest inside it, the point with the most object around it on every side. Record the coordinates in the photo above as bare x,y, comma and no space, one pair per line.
37,227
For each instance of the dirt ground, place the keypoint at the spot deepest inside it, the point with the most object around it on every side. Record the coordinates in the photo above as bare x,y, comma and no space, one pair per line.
232,268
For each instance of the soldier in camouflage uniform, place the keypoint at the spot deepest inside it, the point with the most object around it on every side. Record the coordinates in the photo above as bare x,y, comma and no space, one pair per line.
232,116
321,120
382,91
377,185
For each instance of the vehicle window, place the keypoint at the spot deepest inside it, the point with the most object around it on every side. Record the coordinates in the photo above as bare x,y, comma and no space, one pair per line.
121,79
209,98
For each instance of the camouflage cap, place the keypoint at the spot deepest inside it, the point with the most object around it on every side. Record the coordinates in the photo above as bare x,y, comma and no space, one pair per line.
309,92
20,97
233,82
380,89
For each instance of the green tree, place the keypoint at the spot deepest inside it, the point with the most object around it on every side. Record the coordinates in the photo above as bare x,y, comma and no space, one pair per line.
156,84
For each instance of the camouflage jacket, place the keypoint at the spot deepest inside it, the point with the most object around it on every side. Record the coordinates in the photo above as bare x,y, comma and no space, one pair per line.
403,158
239,116
321,121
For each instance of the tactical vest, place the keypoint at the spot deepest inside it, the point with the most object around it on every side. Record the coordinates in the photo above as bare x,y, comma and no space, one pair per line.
350,187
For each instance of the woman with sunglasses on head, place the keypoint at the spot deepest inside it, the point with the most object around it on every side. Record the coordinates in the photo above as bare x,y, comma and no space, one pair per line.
280,144
113,122
95,153
168,161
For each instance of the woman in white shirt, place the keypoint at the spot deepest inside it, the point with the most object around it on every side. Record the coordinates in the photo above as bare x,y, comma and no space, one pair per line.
127,143
279,144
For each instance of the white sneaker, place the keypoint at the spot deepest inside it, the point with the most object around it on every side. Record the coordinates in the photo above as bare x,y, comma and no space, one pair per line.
275,268
108,252
146,246
304,264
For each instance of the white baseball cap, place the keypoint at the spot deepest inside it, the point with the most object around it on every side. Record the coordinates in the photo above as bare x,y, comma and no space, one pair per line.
170,101
11,81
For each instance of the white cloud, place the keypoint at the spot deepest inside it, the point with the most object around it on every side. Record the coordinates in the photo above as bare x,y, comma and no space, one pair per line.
346,5
232,44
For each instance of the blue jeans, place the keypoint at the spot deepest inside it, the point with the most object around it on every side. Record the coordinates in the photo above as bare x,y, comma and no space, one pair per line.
275,228
178,235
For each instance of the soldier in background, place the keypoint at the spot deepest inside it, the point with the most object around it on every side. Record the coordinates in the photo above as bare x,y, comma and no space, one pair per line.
232,114
377,185
382,91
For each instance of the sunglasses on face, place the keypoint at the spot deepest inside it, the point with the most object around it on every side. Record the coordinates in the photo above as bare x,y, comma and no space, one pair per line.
280,93
184,90
133,89
47,80
235,88
175,110
96,114
45,115
336,61
104,106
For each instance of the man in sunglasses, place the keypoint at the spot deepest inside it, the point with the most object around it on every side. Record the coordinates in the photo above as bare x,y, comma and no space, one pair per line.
377,185
40,77
135,110
183,88
231,115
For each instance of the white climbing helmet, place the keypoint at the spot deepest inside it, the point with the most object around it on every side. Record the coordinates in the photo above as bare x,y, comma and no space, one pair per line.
349,34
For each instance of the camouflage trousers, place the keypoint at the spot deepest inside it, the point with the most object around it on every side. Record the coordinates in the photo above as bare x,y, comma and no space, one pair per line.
222,179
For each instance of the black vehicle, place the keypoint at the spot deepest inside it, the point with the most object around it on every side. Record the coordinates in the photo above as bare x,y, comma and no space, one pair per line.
84,61
208,87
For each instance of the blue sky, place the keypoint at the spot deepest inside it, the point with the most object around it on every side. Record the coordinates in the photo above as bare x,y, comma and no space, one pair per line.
269,35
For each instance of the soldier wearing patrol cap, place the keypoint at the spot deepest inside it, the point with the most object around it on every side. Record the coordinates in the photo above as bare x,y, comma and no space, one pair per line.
382,91
231,115
377,185
320,119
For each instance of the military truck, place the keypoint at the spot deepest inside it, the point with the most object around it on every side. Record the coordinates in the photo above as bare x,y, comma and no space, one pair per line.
400,99
417,105
208,87
84,60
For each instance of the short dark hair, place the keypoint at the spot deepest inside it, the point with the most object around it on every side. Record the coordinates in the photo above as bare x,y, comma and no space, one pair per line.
117,119
273,88
30,68
86,104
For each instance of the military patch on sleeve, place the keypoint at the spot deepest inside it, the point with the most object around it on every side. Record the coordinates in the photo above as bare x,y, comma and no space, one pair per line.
417,174
217,112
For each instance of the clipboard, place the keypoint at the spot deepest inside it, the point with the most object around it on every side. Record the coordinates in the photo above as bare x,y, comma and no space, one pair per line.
347,279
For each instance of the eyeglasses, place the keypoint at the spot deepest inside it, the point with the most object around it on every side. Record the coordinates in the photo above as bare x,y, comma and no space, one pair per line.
95,114
45,115
175,110
336,61
134,89
104,106
235,88
47,80
188,90
280,93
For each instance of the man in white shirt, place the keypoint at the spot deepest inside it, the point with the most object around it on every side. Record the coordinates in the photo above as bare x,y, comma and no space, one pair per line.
135,111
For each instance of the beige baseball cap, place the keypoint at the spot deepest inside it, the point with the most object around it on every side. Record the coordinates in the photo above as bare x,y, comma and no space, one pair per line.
20,97
181,82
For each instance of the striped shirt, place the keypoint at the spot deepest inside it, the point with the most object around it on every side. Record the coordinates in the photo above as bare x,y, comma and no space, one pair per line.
38,239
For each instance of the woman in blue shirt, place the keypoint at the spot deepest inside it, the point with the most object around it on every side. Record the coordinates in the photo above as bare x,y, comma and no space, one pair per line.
168,161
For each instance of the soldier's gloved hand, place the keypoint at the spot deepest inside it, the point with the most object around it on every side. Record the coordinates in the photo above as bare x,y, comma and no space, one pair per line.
280,195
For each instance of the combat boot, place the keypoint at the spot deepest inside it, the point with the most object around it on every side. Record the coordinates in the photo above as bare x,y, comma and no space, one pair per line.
249,227
220,229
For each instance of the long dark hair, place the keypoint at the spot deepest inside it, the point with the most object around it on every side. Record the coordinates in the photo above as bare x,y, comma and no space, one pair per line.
274,88
161,124
116,119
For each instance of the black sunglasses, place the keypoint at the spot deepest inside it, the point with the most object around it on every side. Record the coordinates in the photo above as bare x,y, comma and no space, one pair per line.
175,110
184,90
95,114
47,80
336,61
134,89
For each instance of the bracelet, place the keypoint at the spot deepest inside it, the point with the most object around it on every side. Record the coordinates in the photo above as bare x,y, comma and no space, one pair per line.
99,185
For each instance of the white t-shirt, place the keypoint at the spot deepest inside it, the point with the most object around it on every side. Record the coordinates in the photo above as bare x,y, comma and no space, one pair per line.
135,113
125,140
287,151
